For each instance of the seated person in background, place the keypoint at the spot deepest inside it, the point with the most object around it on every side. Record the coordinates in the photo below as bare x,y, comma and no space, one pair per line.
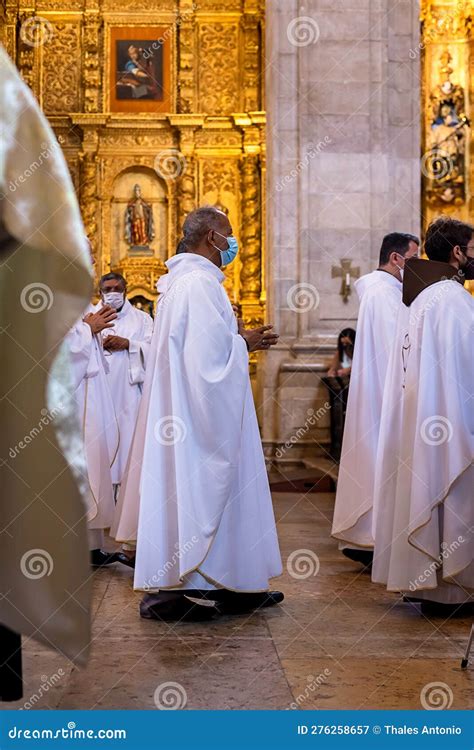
337,383
342,361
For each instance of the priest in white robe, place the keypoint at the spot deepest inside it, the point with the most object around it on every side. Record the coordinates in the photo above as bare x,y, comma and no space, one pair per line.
97,416
380,294
45,284
126,345
196,496
424,543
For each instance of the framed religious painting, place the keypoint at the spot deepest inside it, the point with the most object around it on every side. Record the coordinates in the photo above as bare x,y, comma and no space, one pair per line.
140,69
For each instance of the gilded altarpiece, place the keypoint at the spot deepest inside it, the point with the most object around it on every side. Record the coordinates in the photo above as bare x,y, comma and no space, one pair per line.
208,148
447,55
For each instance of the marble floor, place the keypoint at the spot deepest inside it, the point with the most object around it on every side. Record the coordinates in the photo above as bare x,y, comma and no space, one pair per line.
338,641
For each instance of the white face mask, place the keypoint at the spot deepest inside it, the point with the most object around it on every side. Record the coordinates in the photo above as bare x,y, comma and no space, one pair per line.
114,299
401,272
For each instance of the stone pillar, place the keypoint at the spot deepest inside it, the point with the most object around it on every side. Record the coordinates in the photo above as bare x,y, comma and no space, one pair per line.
343,99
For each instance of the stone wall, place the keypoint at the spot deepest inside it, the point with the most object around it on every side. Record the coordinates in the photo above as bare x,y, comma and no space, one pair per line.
343,101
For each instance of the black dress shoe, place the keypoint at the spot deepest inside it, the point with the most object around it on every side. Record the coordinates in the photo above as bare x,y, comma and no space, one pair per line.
437,609
236,602
125,560
99,558
247,601
273,597
175,606
363,556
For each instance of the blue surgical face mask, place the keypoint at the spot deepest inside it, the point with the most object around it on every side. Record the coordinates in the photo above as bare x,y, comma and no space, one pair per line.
227,256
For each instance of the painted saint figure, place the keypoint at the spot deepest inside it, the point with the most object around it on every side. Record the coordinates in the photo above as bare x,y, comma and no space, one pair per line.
138,79
139,227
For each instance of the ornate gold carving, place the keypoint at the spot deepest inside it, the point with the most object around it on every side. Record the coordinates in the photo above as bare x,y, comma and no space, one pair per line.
26,57
252,314
219,176
218,5
186,82
62,75
186,191
141,5
118,139
65,5
215,68
112,166
447,20
218,68
217,138
8,22
220,187
142,275
88,196
92,69
26,63
7,38
250,255
252,51
444,161
446,56
68,137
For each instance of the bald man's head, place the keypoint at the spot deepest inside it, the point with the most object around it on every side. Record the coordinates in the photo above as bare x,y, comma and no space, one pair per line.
204,233
200,222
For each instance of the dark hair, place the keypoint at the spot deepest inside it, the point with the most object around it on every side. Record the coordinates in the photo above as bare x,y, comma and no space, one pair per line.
112,277
395,242
445,233
351,334
197,224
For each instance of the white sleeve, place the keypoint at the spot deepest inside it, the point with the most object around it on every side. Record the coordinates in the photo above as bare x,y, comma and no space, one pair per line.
138,349
80,343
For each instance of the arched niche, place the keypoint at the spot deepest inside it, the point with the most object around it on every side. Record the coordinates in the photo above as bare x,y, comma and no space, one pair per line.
153,192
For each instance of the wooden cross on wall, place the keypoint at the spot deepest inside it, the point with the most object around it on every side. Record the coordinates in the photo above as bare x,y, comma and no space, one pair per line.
347,272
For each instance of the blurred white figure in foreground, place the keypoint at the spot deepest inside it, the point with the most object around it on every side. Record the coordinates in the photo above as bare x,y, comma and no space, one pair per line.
45,284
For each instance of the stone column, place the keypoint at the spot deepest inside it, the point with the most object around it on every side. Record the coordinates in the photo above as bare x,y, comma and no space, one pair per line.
343,99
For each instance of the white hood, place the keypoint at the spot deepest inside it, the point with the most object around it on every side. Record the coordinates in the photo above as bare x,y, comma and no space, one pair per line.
184,263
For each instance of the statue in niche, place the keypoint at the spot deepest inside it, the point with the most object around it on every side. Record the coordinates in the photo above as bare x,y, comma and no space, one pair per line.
139,227
445,158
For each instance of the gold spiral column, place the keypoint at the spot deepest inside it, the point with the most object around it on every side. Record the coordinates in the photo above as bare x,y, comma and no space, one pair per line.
250,237
88,193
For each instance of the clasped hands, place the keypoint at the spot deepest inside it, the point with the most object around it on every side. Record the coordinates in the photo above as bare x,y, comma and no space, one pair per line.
100,321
